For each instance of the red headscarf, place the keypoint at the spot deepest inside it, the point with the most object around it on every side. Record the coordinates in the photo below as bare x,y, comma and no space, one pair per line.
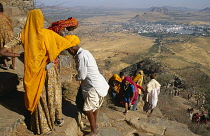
128,79
59,26
136,86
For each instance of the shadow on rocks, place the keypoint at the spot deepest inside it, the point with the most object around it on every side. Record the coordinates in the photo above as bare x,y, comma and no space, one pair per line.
69,109
10,98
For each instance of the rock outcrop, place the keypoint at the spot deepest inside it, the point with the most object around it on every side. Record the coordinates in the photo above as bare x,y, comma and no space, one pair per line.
205,10
17,11
162,10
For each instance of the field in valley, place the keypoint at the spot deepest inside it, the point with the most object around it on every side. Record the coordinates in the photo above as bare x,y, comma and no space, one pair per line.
116,50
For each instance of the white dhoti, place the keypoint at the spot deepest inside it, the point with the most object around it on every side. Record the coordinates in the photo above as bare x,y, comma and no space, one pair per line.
153,89
93,100
153,97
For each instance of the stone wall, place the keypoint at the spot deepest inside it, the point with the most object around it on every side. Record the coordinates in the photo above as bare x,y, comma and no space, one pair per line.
17,7
17,10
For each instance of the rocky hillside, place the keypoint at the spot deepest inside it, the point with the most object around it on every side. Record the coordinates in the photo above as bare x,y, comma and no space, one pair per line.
206,10
170,118
18,7
17,11
162,10
111,120
148,17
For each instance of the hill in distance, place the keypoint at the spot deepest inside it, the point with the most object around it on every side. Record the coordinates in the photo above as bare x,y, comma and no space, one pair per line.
206,10
162,10
182,9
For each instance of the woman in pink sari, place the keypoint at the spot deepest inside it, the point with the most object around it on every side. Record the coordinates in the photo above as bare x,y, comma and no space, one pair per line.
130,92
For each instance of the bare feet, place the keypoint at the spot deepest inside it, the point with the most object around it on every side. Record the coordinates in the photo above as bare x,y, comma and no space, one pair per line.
92,133
59,122
149,115
13,67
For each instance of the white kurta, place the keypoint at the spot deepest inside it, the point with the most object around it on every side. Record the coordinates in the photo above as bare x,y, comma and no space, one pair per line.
153,89
89,74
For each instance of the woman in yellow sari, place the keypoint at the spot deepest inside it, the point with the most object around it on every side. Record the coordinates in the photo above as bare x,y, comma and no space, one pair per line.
138,79
41,46
114,89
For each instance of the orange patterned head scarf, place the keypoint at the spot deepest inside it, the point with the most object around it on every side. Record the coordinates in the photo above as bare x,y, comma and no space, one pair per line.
59,26
41,46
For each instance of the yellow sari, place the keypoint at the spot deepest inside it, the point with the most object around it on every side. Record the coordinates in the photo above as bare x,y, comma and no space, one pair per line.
41,46
138,79
43,97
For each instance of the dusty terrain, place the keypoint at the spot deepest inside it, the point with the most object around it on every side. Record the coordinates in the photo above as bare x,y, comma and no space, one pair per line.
116,50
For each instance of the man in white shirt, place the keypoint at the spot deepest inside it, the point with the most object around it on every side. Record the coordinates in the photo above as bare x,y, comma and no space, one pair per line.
93,84
153,90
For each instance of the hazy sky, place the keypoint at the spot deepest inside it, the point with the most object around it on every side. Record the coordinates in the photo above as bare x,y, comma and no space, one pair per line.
197,4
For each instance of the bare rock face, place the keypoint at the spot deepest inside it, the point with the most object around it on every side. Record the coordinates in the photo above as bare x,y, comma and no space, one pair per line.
159,126
18,23
162,10
17,10
66,68
12,11
206,10
22,6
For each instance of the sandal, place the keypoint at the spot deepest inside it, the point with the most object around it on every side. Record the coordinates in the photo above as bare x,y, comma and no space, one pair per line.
4,67
125,112
47,133
59,122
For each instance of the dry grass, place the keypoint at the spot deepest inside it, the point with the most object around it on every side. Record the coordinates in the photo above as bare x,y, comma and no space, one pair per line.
173,108
175,62
194,53
199,23
114,47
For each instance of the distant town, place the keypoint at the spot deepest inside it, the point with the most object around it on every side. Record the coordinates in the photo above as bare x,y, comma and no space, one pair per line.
152,29
145,28
142,28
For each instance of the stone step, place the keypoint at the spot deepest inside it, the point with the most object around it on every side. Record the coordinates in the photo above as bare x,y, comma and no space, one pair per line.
10,119
69,128
14,117
8,83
